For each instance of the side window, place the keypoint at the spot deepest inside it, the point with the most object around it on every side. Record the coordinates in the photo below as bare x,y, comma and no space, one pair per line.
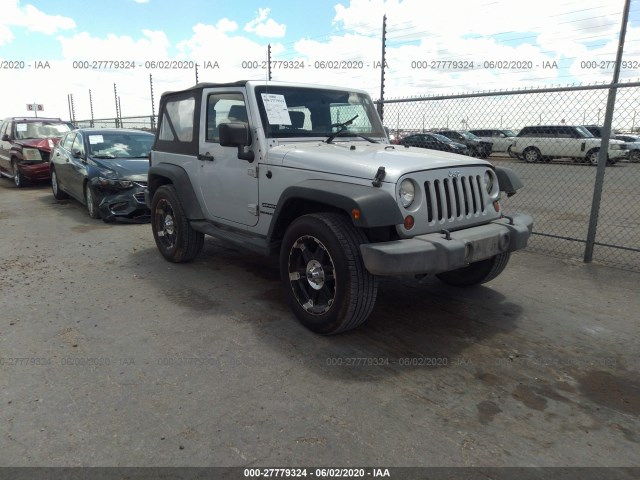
78,144
68,141
177,122
3,129
224,108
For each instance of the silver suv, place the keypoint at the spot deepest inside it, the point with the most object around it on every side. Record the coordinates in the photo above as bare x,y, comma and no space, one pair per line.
547,142
306,172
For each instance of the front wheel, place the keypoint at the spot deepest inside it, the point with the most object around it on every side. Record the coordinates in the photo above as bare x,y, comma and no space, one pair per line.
174,237
476,273
92,204
322,273
634,156
18,178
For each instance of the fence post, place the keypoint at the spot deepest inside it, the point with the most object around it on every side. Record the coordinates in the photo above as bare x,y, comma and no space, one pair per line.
604,144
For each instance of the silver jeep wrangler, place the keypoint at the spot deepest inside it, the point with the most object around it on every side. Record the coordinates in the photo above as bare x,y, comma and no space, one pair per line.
306,172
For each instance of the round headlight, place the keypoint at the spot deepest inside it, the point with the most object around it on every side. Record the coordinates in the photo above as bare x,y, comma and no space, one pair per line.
407,193
488,181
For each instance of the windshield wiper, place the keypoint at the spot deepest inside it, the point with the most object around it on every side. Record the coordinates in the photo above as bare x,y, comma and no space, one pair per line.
341,128
103,156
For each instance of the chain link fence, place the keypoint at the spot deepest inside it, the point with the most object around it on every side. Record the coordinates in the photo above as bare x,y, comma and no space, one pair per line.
554,152
147,123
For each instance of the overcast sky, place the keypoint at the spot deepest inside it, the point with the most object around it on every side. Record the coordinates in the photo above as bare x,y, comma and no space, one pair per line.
232,37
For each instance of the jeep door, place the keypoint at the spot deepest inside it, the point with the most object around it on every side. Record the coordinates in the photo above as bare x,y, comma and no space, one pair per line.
228,186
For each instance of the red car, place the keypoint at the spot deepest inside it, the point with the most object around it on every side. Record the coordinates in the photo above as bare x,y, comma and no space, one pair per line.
25,146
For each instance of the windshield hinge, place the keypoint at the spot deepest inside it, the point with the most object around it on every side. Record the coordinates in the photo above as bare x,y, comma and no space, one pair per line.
380,174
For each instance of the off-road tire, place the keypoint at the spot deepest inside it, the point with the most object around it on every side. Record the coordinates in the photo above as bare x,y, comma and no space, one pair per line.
174,237
91,203
476,273
55,186
324,279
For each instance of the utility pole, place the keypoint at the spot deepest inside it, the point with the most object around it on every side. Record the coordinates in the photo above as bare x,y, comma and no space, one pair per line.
382,64
269,62
115,96
196,73
153,108
91,107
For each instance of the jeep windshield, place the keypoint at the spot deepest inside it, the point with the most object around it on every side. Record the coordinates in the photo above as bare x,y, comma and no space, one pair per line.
30,130
303,112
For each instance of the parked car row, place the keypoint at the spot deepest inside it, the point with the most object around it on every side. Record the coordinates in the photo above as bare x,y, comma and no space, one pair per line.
462,142
538,143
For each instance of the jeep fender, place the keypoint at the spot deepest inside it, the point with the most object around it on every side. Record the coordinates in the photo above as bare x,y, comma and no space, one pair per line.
377,208
165,173
508,180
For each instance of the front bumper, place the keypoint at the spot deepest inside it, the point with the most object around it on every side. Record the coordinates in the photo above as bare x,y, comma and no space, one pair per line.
128,203
34,172
616,154
433,253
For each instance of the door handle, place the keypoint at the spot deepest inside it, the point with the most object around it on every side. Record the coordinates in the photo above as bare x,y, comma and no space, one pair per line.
207,157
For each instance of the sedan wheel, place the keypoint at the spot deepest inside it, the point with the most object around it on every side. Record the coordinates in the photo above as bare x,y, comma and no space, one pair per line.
92,207
634,156
55,187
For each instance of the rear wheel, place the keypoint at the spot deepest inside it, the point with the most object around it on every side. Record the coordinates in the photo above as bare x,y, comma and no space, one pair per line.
55,186
476,273
174,237
531,155
634,156
322,273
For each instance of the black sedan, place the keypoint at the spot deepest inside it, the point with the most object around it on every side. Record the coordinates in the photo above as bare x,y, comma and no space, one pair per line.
104,169
434,141
477,147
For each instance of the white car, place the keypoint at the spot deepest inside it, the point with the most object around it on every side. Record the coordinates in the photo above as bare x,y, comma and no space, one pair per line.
546,142
633,146
501,139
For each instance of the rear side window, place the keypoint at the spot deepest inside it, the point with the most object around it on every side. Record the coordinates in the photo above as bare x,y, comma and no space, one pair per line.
178,130
177,120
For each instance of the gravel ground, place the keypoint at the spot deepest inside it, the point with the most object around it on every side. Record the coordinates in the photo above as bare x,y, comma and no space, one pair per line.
110,356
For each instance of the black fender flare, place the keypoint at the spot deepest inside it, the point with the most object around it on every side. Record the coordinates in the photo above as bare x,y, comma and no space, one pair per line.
376,207
165,173
508,180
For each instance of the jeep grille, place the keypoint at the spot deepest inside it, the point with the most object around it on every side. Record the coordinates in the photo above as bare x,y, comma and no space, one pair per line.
454,198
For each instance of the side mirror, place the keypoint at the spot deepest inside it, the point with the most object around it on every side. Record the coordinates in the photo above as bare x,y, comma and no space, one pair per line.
78,154
236,135
5,137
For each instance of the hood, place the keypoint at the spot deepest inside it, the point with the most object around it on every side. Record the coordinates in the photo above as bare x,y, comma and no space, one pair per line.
45,144
361,160
125,168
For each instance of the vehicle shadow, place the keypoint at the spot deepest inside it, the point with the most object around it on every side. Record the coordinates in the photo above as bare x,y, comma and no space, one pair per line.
414,325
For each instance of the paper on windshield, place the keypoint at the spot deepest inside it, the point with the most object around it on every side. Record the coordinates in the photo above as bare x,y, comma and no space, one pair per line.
276,108
21,127
93,139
